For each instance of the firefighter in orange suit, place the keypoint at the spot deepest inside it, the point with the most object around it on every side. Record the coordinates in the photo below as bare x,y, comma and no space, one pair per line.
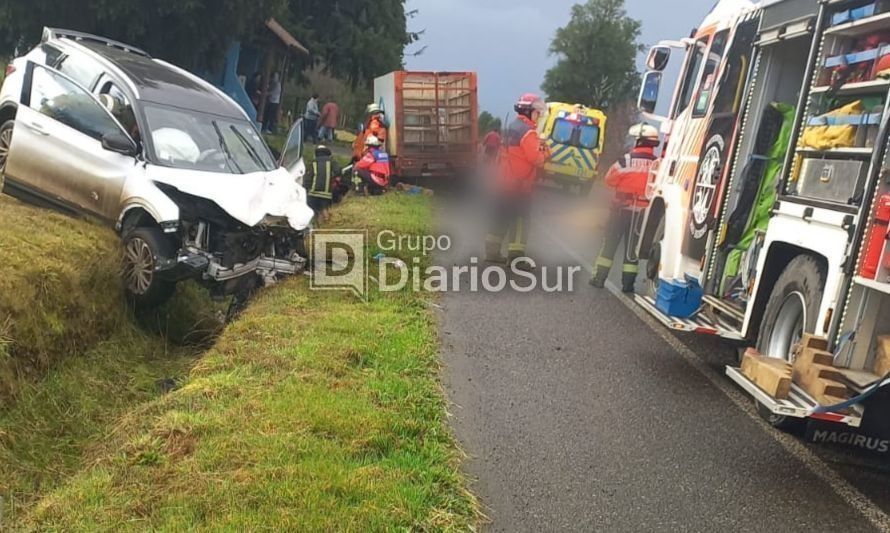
375,126
521,159
629,177
377,123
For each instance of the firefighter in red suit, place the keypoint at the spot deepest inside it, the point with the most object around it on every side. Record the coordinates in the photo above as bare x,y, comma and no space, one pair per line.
373,170
629,177
521,159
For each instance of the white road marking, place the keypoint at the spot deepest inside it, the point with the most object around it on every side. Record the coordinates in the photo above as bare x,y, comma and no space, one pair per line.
841,487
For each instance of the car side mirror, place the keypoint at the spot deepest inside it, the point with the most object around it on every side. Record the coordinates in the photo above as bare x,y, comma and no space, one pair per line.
119,143
649,92
658,58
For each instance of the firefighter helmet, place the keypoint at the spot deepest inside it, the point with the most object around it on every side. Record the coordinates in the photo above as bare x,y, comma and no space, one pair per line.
644,131
372,140
529,102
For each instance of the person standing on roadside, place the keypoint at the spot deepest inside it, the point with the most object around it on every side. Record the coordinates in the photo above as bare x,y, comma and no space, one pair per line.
252,87
310,119
330,117
629,178
521,160
273,104
491,145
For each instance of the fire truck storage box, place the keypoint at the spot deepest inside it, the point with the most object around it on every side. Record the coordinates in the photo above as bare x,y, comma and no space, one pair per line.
867,119
859,13
882,356
831,180
679,298
856,57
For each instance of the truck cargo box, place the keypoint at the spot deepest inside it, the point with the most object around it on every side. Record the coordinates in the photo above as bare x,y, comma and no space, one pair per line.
433,121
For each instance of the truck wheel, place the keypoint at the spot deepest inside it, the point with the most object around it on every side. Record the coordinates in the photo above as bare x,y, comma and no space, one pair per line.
784,423
793,307
653,264
5,143
142,248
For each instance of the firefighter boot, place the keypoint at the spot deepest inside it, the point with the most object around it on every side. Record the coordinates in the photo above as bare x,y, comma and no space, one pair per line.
629,277
493,250
603,266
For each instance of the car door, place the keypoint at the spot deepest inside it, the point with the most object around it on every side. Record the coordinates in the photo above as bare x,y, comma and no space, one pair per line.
292,153
57,146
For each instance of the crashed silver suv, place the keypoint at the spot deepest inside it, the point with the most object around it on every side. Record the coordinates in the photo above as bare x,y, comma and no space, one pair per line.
96,127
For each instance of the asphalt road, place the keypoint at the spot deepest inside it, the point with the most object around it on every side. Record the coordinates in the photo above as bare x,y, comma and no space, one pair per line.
578,414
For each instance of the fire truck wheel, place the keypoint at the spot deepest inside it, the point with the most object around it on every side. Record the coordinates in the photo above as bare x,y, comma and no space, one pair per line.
793,307
653,264
784,423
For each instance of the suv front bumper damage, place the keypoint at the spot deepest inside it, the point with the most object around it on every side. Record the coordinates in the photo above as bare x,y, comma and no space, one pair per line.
192,264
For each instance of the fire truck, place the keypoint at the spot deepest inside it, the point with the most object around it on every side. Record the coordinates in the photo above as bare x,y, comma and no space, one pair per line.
769,207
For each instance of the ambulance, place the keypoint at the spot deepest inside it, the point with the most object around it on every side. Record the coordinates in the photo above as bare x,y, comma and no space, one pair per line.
770,204
576,137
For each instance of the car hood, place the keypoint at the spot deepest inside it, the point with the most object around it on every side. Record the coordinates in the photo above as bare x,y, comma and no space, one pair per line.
249,198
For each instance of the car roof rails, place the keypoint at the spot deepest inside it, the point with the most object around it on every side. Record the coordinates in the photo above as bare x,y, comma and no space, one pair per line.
57,33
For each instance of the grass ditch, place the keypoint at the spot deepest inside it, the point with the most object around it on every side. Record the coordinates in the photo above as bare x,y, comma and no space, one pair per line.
73,356
312,411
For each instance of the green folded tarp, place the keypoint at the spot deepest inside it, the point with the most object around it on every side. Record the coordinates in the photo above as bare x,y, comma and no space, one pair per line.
766,195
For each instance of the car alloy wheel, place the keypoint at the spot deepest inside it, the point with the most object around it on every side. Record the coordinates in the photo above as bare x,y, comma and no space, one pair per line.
139,266
5,143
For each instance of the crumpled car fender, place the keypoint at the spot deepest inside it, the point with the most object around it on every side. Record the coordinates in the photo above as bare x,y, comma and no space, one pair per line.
143,194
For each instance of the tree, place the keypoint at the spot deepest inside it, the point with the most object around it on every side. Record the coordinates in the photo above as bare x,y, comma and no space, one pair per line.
597,53
355,40
487,123
193,33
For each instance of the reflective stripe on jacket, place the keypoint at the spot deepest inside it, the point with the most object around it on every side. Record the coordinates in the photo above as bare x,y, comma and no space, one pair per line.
630,176
321,177
522,156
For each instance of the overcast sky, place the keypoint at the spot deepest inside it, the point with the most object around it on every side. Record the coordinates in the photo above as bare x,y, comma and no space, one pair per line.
506,41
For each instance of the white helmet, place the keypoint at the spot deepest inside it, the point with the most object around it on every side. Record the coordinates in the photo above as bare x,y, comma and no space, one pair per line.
374,108
372,140
644,131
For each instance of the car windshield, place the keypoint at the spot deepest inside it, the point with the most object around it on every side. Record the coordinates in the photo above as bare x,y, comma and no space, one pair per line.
196,141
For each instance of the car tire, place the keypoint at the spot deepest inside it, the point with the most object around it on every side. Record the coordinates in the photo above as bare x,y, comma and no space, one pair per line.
5,143
142,248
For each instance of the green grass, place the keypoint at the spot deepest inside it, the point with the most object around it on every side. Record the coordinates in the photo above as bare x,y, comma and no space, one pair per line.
312,412
75,358
58,290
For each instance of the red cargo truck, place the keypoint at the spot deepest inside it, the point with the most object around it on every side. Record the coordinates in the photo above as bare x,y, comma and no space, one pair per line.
433,122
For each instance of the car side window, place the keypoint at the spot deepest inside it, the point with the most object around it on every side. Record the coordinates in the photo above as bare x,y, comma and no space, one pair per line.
51,54
58,98
81,69
119,105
